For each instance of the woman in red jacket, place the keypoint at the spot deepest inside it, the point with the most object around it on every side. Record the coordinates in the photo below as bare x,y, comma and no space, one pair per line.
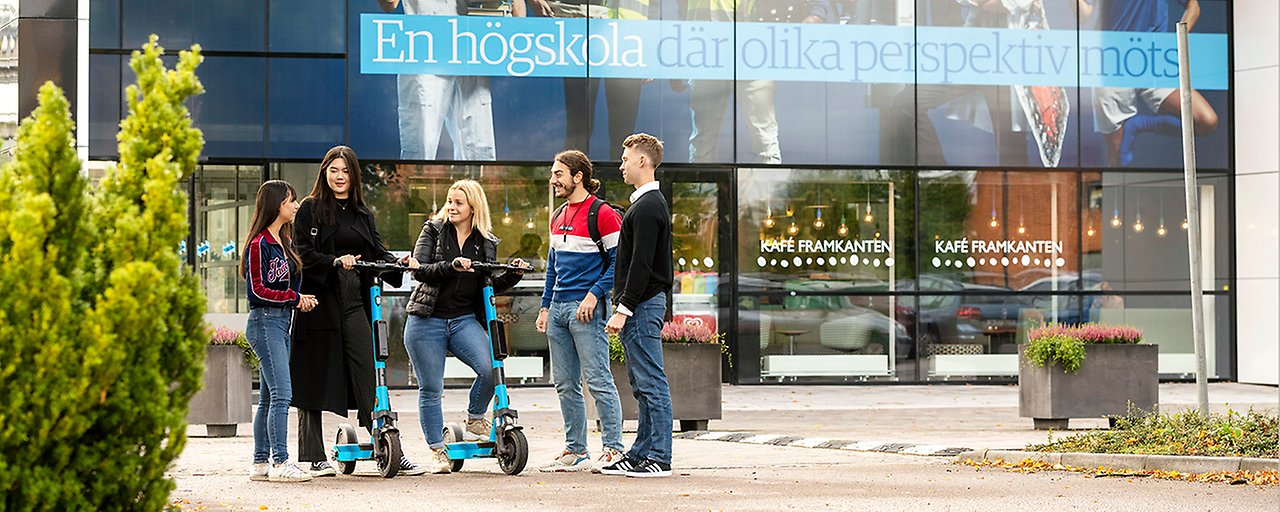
273,274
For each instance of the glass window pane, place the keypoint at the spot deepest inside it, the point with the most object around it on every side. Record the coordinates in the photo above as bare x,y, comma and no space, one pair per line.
224,205
104,31
307,121
301,175
970,335
169,19
825,336
229,25
231,112
297,27
482,118
1140,126
800,225
219,25
1135,236
105,102
1166,321
1001,230
855,123
974,124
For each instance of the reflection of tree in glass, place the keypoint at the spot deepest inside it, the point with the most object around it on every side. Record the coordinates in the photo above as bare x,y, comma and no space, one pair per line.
946,204
844,198
694,223
402,197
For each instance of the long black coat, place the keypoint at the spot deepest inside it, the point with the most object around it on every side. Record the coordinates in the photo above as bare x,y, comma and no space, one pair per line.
317,370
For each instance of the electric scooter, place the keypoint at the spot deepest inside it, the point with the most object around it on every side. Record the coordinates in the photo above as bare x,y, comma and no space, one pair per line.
384,445
506,441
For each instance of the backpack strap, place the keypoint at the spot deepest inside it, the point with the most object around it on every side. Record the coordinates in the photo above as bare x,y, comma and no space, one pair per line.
556,214
593,228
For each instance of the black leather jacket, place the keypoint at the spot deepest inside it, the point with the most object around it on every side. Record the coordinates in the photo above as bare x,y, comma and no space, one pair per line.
434,270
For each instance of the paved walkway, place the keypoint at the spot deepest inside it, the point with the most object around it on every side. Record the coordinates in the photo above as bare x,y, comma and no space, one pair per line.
715,475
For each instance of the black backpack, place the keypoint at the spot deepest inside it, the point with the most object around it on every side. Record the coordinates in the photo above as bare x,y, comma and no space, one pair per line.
593,224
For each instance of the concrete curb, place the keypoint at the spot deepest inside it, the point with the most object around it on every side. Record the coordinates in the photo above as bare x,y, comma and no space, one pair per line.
926,450
1179,463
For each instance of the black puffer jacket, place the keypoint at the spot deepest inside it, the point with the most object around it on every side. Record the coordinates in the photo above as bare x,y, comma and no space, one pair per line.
435,269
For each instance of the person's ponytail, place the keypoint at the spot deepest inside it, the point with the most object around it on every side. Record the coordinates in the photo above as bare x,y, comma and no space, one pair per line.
592,185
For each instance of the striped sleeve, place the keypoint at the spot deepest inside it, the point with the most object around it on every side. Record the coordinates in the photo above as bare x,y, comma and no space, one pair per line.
610,225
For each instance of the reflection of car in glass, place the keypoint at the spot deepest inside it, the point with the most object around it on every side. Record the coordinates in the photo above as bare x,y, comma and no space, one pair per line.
972,314
1067,307
833,322
519,310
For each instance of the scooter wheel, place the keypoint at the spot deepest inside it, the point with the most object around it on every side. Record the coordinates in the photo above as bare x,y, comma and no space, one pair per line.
389,457
453,434
346,435
516,454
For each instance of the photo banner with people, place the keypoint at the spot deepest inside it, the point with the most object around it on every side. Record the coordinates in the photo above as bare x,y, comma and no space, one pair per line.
554,47
1010,84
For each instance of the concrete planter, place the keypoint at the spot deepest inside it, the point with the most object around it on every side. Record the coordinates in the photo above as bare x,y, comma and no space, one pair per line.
1112,378
693,374
224,399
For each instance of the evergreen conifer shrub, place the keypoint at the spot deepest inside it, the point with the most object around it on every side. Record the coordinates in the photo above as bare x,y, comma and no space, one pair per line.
101,325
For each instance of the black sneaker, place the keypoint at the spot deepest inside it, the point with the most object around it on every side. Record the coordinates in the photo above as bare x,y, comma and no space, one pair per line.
322,468
619,468
407,467
650,469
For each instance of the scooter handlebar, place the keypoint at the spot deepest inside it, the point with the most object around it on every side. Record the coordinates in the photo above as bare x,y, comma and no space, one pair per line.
481,266
381,265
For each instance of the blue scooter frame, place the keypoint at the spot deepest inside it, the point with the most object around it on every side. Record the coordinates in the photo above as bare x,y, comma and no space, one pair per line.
384,445
506,441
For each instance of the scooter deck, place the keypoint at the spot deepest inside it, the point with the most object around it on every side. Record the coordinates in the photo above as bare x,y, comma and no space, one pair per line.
464,450
352,452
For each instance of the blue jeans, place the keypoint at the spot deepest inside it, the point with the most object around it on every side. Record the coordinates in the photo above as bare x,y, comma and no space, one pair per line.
642,339
426,340
579,349
268,335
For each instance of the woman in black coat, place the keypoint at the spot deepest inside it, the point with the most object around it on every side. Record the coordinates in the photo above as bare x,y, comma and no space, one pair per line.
331,361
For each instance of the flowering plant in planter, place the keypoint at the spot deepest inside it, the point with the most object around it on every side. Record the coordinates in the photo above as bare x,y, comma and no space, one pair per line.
1065,343
679,332
674,332
229,336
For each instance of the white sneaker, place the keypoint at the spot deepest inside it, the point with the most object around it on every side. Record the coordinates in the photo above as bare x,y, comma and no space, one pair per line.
258,472
568,462
477,429
440,463
609,457
287,472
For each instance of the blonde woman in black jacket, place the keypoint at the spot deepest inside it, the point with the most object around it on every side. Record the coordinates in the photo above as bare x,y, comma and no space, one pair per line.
446,308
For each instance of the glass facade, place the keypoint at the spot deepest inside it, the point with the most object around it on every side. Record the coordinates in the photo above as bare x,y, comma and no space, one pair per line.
872,190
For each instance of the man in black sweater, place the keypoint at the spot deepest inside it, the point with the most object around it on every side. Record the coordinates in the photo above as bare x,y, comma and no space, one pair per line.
642,278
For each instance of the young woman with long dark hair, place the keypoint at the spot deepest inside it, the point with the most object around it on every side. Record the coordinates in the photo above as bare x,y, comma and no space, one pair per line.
333,358
272,271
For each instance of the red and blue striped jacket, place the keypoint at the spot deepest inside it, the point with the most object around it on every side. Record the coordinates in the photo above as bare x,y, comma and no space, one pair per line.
273,281
574,265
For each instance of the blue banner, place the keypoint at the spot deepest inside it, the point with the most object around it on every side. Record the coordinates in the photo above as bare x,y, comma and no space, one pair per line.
600,48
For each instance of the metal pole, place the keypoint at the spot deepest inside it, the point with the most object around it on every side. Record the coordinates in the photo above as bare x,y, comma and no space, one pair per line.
1193,218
